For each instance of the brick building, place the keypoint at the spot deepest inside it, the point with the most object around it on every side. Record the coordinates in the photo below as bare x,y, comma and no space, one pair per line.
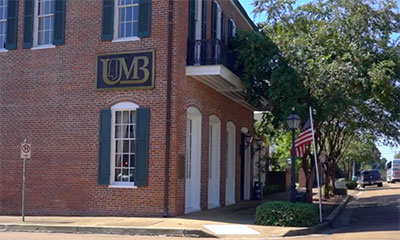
119,98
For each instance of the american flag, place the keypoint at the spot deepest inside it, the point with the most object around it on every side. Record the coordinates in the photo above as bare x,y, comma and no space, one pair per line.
303,139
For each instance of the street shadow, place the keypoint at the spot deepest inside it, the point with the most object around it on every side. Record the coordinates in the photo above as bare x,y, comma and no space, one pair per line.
378,213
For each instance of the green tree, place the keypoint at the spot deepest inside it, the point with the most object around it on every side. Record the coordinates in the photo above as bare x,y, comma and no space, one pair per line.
339,57
362,152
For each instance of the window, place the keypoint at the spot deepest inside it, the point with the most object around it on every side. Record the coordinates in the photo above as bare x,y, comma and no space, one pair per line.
126,19
44,22
232,28
123,144
3,23
217,21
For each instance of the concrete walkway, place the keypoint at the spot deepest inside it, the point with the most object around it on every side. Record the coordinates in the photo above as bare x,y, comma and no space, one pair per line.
231,221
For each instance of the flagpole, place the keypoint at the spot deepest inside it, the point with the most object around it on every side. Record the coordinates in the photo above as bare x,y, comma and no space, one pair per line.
316,165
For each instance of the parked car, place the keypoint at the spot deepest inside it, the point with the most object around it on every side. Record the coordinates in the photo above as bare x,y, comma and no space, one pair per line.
370,177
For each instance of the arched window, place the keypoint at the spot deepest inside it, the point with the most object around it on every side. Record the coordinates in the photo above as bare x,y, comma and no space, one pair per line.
232,30
123,142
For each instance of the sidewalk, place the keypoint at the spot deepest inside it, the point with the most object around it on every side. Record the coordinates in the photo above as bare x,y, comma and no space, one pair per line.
236,220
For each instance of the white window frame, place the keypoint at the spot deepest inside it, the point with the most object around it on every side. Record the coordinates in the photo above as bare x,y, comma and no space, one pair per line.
234,28
219,21
124,106
36,28
2,48
116,38
198,18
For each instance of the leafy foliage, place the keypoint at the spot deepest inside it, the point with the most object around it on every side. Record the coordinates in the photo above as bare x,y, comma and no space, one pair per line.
269,189
285,214
351,184
338,56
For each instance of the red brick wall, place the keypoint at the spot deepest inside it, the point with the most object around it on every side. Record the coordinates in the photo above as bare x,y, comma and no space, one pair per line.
48,96
191,93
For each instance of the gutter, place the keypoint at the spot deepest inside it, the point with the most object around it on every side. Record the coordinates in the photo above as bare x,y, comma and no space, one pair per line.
168,117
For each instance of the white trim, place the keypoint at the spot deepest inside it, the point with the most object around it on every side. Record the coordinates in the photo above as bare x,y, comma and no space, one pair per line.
193,183
234,28
220,70
241,14
3,50
36,27
214,162
127,39
125,106
46,46
122,186
116,23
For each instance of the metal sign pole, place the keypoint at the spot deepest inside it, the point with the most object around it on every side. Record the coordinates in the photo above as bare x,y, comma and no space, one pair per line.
23,191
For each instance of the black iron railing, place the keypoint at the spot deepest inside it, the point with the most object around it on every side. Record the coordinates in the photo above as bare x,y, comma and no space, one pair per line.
209,52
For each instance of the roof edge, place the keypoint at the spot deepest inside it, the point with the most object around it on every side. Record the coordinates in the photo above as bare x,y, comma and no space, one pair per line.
244,14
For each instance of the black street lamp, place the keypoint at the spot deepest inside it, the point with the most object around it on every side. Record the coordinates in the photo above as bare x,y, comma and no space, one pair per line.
293,121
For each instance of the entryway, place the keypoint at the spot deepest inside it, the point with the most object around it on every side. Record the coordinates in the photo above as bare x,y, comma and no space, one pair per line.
230,163
193,156
214,163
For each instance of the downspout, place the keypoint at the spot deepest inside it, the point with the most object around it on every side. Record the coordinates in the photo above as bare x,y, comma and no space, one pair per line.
168,120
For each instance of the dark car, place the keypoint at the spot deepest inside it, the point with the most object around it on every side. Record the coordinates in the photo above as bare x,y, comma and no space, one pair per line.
370,177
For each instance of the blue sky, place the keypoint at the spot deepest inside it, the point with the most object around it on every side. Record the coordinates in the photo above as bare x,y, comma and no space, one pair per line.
387,152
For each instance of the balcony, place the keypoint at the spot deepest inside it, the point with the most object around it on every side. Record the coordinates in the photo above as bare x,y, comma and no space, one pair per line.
209,62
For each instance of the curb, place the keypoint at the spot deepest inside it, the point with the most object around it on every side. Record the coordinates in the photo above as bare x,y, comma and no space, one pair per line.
322,226
171,232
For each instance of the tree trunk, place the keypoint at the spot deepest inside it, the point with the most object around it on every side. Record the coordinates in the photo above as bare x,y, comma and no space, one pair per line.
309,183
327,183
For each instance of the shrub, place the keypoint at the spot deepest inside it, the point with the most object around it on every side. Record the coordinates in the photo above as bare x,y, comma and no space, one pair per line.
279,213
351,184
269,189
340,191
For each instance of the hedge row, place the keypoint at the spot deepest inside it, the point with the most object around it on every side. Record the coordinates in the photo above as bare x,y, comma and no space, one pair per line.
279,213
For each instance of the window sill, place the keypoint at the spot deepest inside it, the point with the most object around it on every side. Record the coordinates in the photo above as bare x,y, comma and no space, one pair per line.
128,39
43,47
3,50
122,186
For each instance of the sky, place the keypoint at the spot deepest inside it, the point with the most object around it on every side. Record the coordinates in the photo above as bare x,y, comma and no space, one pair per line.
387,152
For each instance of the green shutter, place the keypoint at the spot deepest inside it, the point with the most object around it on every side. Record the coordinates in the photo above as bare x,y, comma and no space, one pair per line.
192,21
108,20
204,18
214,20
28,24
223,27
142,146
104,147
59,22
144,18
12,24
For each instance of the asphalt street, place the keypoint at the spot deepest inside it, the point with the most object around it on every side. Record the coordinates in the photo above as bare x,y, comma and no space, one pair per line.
373,214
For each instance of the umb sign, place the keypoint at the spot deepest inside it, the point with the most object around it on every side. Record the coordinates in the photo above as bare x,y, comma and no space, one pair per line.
127,70
26,151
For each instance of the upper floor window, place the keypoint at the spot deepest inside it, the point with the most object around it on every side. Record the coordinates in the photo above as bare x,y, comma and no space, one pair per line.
126,18
3,23
217,30
232,28
44,22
